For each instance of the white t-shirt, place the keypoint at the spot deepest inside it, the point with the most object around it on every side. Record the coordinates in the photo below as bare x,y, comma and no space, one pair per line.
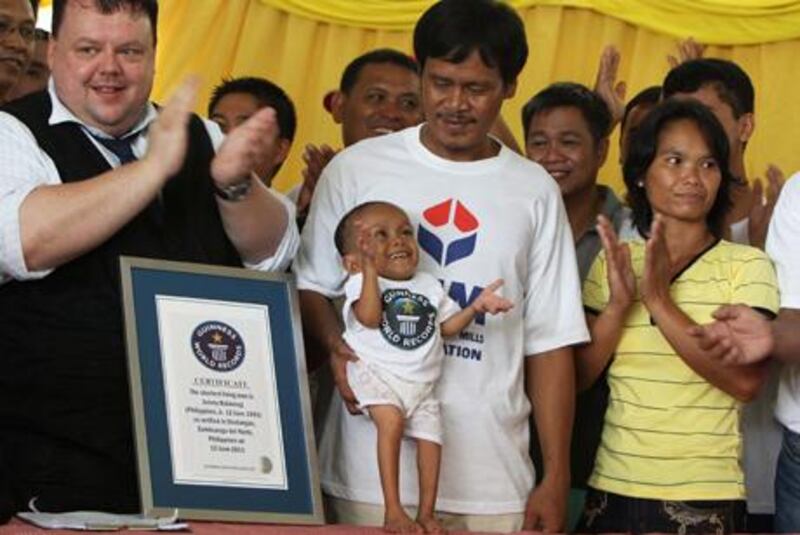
501,217
408,342
783,246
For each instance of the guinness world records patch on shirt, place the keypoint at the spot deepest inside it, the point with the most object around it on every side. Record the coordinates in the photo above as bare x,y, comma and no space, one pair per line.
408,342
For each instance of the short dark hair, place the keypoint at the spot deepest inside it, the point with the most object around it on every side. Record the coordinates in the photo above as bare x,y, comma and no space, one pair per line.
453,29
267,94
106,7
728,79
642,152
377,56
649,96
342,236
569,94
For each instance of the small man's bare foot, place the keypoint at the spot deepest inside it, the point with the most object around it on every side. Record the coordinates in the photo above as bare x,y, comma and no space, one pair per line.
430,524
400,522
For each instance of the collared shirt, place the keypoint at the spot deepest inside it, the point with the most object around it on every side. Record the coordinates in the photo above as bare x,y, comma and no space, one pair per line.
24,166
589,244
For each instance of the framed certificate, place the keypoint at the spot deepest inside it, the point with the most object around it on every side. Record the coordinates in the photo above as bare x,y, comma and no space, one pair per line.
220,394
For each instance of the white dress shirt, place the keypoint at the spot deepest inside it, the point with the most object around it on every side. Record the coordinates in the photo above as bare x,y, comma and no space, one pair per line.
24,166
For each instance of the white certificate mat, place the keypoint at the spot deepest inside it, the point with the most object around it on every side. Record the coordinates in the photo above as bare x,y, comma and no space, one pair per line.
221,395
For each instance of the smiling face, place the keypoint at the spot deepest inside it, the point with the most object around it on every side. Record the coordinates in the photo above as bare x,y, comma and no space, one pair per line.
388,237
559,140
16,41
103,65
384,99
683,180
461,102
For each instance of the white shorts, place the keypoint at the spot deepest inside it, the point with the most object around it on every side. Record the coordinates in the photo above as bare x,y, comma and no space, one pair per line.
415,400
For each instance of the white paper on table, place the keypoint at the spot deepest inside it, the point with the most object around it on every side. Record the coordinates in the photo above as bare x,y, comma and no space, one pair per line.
94,521
224,425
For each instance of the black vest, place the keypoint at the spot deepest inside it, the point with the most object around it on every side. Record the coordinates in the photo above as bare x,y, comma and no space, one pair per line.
65,418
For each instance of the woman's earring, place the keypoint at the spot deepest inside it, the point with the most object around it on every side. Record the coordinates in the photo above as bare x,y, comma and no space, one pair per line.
640,184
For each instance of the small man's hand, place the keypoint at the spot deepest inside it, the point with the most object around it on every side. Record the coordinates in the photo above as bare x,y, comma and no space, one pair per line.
365,243
489,302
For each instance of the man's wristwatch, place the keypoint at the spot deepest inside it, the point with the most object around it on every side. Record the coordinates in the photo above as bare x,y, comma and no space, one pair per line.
234,192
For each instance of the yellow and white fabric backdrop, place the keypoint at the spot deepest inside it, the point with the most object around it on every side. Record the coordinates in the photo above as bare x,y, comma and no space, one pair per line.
303,45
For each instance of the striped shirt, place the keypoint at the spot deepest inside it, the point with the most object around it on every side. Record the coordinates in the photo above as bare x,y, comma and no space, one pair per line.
668,433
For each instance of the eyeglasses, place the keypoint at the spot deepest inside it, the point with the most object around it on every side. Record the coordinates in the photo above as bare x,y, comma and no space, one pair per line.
26,30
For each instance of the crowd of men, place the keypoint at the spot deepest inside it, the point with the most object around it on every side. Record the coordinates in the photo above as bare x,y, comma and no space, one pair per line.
91,169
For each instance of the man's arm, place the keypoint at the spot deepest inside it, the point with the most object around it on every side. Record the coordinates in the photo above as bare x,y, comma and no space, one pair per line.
369,309
486,302
321,325
550,385
256,223
740,335
786,332
608,87
741,382
61,222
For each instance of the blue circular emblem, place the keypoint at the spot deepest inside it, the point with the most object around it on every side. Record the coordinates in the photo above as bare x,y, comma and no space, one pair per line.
409,319
217,346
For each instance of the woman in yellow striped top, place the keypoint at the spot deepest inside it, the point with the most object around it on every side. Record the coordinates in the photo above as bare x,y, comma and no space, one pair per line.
669,457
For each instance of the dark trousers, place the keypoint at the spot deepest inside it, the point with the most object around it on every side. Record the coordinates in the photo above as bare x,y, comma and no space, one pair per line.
606,512
787,485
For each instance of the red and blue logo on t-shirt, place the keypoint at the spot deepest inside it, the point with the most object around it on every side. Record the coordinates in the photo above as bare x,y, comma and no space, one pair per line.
455,232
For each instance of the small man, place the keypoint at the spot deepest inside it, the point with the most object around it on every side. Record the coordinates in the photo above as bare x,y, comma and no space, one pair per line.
395,318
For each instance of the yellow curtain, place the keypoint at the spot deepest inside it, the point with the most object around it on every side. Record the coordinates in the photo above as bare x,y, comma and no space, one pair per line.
304,55
709,21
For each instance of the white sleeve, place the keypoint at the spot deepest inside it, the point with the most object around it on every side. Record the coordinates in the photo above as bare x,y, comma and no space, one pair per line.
290,242
352,292
23,168
783,242
553,312
214,133
318,265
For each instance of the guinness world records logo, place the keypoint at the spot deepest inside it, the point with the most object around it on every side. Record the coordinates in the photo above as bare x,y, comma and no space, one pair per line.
218,346
409,319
